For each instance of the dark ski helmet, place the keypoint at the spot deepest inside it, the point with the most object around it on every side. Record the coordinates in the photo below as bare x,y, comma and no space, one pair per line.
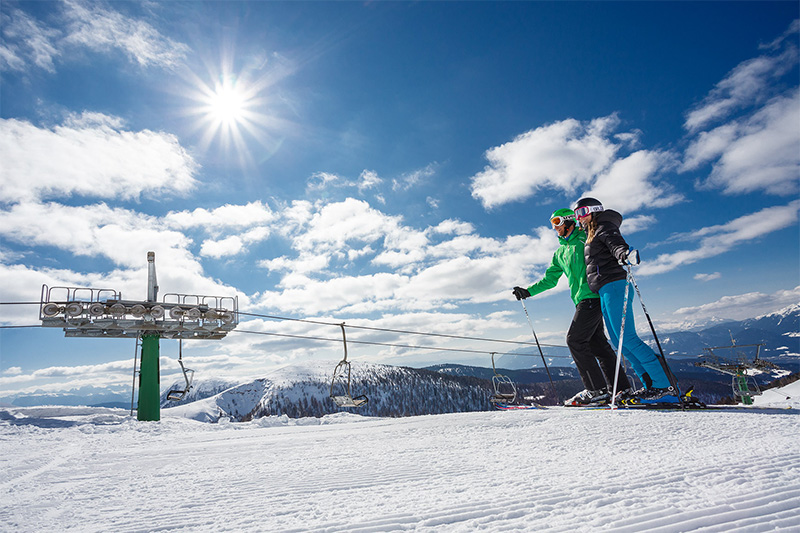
562,216
586,206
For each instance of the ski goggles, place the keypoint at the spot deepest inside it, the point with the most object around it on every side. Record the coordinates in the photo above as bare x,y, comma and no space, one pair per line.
560,221
586,210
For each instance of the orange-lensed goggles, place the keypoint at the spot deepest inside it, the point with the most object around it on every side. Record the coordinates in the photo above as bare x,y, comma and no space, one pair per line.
559,221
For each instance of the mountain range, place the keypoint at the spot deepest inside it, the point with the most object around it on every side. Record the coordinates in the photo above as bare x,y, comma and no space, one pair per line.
304,390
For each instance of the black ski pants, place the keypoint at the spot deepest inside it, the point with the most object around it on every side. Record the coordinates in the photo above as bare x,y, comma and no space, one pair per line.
593,355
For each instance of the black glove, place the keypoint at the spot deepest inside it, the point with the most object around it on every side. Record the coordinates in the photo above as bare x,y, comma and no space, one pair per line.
521,293
629,256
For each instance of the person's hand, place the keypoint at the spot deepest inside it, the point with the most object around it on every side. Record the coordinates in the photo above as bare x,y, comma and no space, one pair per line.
521,293
630,257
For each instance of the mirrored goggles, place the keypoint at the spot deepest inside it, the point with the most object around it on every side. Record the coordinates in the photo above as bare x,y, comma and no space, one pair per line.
581,212
559,221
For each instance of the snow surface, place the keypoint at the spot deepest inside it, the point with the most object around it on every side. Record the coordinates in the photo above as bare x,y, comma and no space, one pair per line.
559,469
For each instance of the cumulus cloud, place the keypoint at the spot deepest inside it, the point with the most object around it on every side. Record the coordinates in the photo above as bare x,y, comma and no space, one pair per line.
564,156
223,217
630,182
716,240
637,223
113,237
90,156
571,157
225,247
415,268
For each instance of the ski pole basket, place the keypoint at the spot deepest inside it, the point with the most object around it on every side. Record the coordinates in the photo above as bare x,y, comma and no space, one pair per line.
340,382
188,376
505,391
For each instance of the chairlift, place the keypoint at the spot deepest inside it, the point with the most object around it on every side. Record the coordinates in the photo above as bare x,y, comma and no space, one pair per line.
188,376
505,391
340,383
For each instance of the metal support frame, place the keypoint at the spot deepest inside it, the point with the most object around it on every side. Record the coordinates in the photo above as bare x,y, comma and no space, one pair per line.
743,386
103,313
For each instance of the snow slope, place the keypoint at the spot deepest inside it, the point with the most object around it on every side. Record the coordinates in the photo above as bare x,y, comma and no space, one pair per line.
559,469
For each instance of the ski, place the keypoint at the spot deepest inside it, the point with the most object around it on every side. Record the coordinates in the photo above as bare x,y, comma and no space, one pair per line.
516,407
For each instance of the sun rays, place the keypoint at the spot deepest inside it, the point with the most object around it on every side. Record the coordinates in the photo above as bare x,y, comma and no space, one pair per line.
236,113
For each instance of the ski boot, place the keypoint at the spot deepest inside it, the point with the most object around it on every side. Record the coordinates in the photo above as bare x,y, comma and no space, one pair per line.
589,398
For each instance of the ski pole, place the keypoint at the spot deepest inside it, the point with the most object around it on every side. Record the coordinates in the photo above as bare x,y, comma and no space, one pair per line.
621,336
663,360
558,400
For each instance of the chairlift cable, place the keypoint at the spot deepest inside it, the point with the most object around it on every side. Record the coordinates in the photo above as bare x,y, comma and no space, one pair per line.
407,332
392,345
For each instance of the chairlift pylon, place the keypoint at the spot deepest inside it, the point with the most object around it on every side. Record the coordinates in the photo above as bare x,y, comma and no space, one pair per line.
188,376
505,391
340,394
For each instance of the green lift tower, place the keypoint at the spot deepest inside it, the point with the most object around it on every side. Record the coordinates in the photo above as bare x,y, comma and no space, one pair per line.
103,313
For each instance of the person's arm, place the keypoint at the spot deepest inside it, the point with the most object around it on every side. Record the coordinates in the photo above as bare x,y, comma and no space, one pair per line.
550,279
616,243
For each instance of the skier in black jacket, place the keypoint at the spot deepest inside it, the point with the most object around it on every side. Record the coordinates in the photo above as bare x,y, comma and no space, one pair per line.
605,252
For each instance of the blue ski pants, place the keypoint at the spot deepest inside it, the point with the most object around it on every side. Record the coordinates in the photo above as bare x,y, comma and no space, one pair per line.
641,357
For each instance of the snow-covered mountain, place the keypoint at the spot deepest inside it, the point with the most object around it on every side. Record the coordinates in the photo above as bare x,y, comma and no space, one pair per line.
779,332
304,390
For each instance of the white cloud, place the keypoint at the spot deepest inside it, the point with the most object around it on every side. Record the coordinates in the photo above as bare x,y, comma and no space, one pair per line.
742,306
27,41
89,157
716,240
100,28
425,268
226,247
12,371
564,155
454,227
120,235
412,179
629,184
749,83
223,217
637,223
758,149
707,277
112,235
759,152
322,180
368,180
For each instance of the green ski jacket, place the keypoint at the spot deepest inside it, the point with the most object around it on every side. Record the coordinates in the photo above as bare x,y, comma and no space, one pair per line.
568,259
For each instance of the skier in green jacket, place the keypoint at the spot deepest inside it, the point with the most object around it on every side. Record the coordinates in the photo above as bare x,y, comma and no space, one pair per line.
586,338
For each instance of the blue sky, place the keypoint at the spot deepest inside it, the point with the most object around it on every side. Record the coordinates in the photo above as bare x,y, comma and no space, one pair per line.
387,164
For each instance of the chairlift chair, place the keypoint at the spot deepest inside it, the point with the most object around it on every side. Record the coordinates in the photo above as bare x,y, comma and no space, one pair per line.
505,391
188,376
340,394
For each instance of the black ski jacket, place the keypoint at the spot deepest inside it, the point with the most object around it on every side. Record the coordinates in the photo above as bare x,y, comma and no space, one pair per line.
603,252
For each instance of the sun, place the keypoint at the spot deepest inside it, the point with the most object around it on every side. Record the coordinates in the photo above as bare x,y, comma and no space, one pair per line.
234,114
227,104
